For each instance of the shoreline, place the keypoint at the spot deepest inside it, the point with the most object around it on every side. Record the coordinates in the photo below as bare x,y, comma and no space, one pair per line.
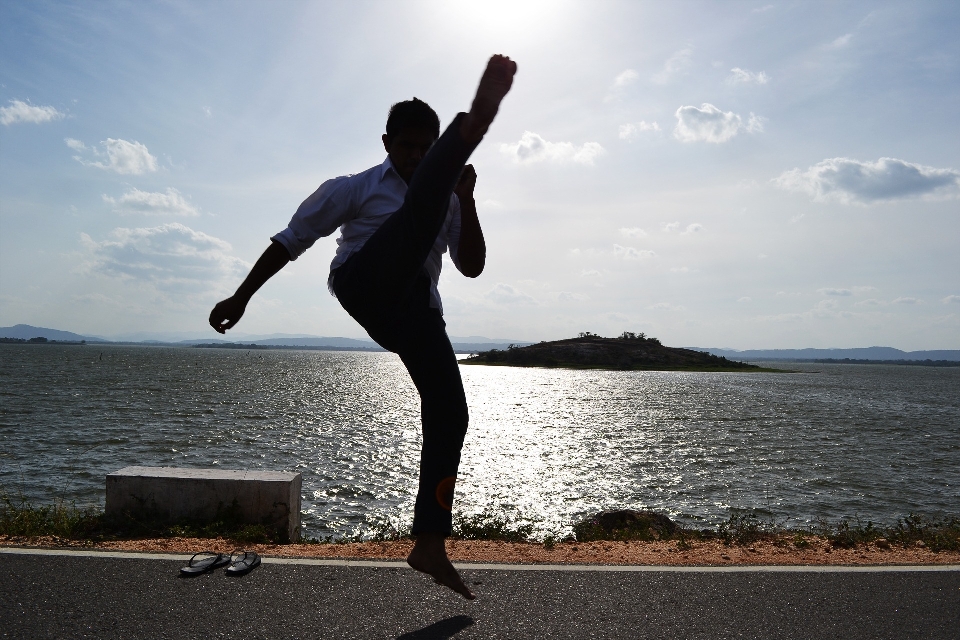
816,552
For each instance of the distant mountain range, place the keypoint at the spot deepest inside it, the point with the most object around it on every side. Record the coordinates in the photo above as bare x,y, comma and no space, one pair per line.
463,344
26,332
863,353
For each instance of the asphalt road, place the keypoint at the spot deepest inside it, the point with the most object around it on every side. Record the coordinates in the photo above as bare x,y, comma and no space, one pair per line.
43,596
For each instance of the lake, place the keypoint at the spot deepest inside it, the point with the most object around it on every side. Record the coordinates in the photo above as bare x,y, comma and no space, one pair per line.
545,446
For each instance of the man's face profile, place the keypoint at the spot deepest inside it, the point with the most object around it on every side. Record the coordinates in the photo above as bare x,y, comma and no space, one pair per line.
407,148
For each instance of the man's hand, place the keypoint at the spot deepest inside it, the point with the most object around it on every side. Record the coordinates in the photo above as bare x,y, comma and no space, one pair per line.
228,313
468,180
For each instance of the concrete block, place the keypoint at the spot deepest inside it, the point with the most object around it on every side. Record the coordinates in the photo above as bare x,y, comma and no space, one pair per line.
271,498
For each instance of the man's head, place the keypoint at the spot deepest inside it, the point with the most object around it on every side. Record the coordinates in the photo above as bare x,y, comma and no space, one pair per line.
412,128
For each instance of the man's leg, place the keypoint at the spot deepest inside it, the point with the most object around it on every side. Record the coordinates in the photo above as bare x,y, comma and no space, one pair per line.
418,335
386,267
429,357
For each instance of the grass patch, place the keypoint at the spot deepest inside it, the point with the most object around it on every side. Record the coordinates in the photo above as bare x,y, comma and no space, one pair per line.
911,531
744,529
19,518
488,526
61,519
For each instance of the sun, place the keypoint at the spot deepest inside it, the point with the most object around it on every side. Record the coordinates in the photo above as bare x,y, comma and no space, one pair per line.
505,21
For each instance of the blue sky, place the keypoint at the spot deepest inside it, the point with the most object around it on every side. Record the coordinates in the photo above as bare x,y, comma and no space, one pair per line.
748,175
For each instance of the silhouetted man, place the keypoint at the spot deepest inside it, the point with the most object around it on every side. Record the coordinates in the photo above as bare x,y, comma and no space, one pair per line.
396,220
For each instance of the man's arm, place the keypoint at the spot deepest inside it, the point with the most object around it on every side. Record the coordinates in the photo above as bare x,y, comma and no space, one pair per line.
472,250
228,312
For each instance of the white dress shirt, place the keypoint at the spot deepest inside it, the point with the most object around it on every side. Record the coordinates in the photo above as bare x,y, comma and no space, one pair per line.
359,204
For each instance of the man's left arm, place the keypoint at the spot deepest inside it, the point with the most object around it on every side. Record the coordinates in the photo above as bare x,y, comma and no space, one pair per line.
471,249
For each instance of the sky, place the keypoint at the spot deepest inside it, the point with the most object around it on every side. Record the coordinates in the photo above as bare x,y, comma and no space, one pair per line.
724,174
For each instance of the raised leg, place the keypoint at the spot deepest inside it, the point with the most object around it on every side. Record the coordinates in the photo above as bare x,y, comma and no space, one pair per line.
386,267
495,82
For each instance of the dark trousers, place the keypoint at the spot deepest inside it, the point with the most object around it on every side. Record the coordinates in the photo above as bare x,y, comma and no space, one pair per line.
385,287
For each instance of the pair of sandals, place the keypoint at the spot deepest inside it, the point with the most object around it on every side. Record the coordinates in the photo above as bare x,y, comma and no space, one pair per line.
241,563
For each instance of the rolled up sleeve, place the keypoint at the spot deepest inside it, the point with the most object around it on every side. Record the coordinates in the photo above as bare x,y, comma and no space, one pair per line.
320,215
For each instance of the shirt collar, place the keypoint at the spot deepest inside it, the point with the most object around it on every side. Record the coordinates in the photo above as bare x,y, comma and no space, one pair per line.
386,167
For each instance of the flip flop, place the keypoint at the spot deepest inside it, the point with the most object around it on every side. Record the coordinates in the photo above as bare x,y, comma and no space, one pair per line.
246,561
208,562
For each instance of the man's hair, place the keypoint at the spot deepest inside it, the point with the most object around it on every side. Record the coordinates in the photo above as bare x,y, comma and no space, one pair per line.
412,114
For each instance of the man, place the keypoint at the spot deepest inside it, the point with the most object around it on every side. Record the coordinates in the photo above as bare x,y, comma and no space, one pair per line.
396,220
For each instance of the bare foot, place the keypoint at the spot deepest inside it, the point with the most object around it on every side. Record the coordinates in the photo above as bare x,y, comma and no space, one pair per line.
430,556
494,84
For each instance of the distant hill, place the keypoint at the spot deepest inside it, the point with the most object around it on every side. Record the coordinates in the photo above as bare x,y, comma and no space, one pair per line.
340,343
299,342
628,353
469,344
25,332
472,344
464,344
864,353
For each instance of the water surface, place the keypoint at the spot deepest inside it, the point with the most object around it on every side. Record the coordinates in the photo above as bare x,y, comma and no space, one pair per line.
544,445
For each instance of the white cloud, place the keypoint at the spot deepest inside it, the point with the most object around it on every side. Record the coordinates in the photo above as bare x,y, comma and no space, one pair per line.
153,203
763,9
742,76
533,148
631,130
824,310
633,232
907,300
870,302
121,156
567,296
590,273
829,291
628,76
75,144
852,181
745,299
755,123
840,42
503,293
207,111
951,299
666,306
19,111
692,228
710,124
674,66
171,256
670,226
629,253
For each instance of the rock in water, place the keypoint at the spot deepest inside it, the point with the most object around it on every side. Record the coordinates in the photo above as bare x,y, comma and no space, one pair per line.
625,524
627,353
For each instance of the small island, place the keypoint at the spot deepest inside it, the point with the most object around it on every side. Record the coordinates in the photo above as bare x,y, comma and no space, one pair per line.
629,352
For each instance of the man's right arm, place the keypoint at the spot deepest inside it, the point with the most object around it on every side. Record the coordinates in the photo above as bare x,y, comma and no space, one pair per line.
228,312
